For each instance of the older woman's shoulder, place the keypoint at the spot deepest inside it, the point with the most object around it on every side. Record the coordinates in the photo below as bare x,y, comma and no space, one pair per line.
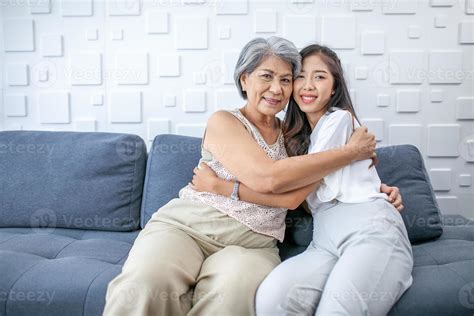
223,119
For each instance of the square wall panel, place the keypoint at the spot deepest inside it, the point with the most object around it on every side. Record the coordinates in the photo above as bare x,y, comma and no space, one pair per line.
469,7
408,100
339,32
158,127
54,107
39,6
265,21
375,126
465,180
441,179
169,100
76,8
440,21
466,32
193,130
123,7
407,67
19,35
292,26
373,43
445,67
194,100
191,32
224,32
414,31
125,107
85,69
157,22
131,68
383,100
400,134
443,140
15,105
465,108
436,96
17,74
51,45
232,7
169,66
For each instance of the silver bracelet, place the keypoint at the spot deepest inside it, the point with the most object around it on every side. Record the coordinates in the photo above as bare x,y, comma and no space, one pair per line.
235,192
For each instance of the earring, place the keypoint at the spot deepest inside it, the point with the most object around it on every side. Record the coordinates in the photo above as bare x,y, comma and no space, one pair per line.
332,93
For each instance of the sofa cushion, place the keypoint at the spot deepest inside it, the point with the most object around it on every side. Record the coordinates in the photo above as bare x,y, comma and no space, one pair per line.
71,180
48,272
403,166
170,165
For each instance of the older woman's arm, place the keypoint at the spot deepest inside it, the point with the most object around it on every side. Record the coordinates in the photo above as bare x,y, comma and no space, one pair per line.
231,144
205,180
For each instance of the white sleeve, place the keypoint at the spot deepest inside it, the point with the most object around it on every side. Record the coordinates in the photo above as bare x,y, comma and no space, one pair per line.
334,133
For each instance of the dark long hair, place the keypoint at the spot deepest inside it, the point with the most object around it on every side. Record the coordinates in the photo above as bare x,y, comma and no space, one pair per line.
296,128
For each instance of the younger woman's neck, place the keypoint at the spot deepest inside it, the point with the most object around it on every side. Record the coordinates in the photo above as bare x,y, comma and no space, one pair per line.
313,118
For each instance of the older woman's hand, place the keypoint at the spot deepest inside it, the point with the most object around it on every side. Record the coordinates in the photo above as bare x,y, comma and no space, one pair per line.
204,179
362,143
394,196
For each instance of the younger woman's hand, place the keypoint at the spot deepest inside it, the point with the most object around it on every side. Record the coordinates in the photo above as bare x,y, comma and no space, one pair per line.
204,179
394,196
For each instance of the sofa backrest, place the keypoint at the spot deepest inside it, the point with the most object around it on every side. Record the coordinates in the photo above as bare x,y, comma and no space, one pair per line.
173,157
71,180
170,165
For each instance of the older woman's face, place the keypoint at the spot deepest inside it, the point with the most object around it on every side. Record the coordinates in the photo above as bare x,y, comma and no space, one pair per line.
269,86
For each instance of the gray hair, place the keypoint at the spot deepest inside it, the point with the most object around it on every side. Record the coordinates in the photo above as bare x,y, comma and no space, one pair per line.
255,51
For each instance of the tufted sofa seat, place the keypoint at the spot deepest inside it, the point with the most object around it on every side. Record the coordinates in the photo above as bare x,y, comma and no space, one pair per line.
52,271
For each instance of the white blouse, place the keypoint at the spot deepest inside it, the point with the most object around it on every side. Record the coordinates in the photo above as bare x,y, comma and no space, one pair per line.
354,183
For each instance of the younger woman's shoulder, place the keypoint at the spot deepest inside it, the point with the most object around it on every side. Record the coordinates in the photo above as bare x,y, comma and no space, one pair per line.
339,115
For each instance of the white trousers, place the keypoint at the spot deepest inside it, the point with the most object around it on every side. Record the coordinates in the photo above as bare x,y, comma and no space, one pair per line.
359,263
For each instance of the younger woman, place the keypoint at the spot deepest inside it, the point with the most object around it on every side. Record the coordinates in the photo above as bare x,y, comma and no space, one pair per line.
360,259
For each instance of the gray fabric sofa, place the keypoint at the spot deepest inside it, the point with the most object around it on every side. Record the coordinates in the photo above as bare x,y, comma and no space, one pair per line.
71,205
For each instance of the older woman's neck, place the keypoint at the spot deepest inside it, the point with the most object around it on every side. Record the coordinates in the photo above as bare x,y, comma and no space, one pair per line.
258,118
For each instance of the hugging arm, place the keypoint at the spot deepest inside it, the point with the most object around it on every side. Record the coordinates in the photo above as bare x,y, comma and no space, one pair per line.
232,145
205,180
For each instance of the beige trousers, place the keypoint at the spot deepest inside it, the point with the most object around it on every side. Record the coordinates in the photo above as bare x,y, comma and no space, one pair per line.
191,259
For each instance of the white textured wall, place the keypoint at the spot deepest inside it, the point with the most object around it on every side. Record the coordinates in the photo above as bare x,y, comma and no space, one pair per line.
163,66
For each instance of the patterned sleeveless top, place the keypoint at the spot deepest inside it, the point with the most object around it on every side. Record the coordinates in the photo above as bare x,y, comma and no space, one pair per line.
262,219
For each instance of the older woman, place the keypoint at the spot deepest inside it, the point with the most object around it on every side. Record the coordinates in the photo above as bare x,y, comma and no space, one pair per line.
206,254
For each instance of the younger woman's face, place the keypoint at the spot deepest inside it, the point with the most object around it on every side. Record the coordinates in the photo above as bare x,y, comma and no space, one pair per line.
313,88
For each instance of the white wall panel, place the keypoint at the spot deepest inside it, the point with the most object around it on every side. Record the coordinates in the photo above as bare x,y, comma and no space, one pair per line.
150,67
